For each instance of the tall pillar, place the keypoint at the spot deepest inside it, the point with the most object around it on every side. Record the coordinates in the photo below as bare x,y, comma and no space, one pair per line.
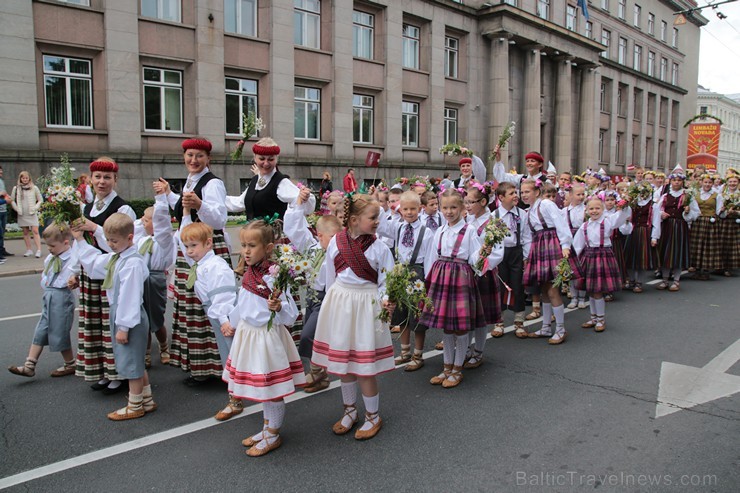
667,136
498,103
209,70
122,76
612,136
654,164
563,115
436,101
280,123
588,122
393,82
343,82
628,158
532,99
643,130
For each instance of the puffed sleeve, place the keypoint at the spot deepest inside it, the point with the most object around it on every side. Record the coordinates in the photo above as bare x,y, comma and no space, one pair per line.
385,264
296,229
431,255
579,241
91,259
213,209
289,311
551,212
331,252
386,227
500,174
131,294
288,192
474,245
693,213
236,204
657,208
126,209
526,235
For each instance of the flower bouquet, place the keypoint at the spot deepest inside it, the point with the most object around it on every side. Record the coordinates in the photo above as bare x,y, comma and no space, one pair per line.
63,201
252,126
506,134
288,272
689,195
639,191
564,275
405,292
455,149
494,233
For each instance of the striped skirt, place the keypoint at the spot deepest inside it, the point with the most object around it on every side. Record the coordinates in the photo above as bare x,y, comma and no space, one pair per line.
95,359
194,347
350,338
490,295
456,302
544,256
673,247
729,234
600,271
639,254
618,242
705,244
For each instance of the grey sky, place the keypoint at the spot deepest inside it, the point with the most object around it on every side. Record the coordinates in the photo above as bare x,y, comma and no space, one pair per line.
719,57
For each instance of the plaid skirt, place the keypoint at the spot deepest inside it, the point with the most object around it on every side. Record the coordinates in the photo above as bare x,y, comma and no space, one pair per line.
95,359
600,271
673,247
456,302
618,242
729,234
544,256
490,295
705,244
639,254
194,347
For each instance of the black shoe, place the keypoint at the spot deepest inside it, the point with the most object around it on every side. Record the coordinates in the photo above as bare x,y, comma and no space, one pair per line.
120,388
194,382
8,254
98,386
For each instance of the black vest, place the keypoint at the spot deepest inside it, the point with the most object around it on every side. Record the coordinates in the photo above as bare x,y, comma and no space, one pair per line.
265,202
100,219
198,190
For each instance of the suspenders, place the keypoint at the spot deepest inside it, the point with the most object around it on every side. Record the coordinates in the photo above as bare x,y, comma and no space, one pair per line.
417,247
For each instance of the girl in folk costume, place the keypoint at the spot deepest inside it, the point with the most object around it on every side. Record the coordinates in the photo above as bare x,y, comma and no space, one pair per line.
619,235
95,360
575,214
452,288
729,224
551,241
476,205
639,254
350,339
601,273
263,364
705,245
671,218
194,347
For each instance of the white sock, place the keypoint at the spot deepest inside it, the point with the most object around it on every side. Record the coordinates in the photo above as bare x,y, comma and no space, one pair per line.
519,317
114,384
277,414
461,345
636,276
480,339
546,319
103,381
349,393
600,308
448,353
581,295
559,312
372,404
147,392
592,305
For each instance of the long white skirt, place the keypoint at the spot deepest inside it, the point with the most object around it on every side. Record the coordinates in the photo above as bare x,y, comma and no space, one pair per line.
263,365
350,339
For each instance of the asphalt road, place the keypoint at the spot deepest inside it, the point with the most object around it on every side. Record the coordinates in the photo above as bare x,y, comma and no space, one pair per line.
578,416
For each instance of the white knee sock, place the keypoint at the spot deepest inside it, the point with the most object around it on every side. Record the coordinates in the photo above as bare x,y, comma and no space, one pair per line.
461,346
277,415
581,295
349,393
592,305
448,353
600,306
372,404
546,317
480,339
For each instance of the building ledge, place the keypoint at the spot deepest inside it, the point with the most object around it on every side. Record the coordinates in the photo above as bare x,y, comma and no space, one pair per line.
82,131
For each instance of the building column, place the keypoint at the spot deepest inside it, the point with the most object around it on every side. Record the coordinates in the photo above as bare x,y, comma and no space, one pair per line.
343,82
668,114
563,115
588,121
436,102
628,159
613,117
123,72
19,112
209,73
393,82
532,99
498,104
281,79
654,164
643,130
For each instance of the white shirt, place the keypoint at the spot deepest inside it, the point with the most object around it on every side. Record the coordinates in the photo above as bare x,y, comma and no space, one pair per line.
525,235
395,230
378,255
693,213
576,213
295,227
437,218
553,217
213,207
253,309
627,227
287,192
70,267
164,246
611,222
213,272
500,175
99,234
469,247
130,274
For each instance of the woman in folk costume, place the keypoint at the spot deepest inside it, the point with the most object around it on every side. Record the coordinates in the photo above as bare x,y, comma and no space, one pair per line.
671,217
194,348
534,163
705,245
471,168
639,255
729,225
95,360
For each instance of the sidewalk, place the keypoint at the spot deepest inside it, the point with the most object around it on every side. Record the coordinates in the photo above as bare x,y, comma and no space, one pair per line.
21,266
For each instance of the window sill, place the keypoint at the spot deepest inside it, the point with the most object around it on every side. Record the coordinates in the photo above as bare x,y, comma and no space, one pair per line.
70,5
420,149
368,60
317,142
160,133
407,69
247,37
367,146
68,130
154,20
456,79
313,50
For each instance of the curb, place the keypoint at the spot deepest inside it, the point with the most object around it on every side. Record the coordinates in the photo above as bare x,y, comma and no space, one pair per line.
16,273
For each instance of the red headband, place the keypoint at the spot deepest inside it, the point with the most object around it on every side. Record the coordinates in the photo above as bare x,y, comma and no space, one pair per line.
105,166
536,156
465,160
200,144
266,150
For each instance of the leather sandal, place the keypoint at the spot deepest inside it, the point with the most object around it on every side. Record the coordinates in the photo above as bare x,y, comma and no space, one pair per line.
590,324
600,326
454,378
498,330
534,315
64,370
234,408
250,441
403,358
368,434
316,380
23,371
474,362
339,428
417,362
538,334
674,286
131,411
256,451
520,331
637,288
439,346
560,338
663,285
437,380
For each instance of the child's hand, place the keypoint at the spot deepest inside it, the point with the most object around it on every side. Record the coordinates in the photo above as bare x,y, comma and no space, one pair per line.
274,303
654,243
566,252
77,234
304,195
227,330
121,337
664,215
191,201
161,186
73,282
390,306
686,210
83,224
486,250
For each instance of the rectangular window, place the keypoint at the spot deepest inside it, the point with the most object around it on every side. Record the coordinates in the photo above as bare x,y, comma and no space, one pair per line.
307,113
605,4
411,46
619,147
622,9
606,37
363,25
240,16
636,16
589,30
68,92
651,64
674,74
307,23
674,38
620,111
663,68
651,24
601,145
162,100
637,58
543,9
450,125
622,53
86,3
410,124
570,18
602,98
166,10
638,104
451,56
703,110
241,99
362,119
663,30
510,2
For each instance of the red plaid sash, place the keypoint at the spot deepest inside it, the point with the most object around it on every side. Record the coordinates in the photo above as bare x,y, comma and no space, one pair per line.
253,280
352,256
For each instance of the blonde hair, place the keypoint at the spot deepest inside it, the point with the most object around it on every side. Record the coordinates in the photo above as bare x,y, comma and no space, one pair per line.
118,225
354,205
266,142
196,232
329,224
149,211
452,193
27,174
57,233
410,197
269,233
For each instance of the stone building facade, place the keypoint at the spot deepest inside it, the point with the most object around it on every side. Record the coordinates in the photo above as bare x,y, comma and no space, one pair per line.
727,108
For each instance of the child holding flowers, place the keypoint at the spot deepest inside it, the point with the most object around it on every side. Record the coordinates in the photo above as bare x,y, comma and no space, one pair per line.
639,255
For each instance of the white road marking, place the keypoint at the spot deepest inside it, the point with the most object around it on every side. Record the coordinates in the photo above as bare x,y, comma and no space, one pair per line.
18,317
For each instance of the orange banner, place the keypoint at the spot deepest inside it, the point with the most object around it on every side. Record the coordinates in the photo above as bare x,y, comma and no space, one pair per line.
703,145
